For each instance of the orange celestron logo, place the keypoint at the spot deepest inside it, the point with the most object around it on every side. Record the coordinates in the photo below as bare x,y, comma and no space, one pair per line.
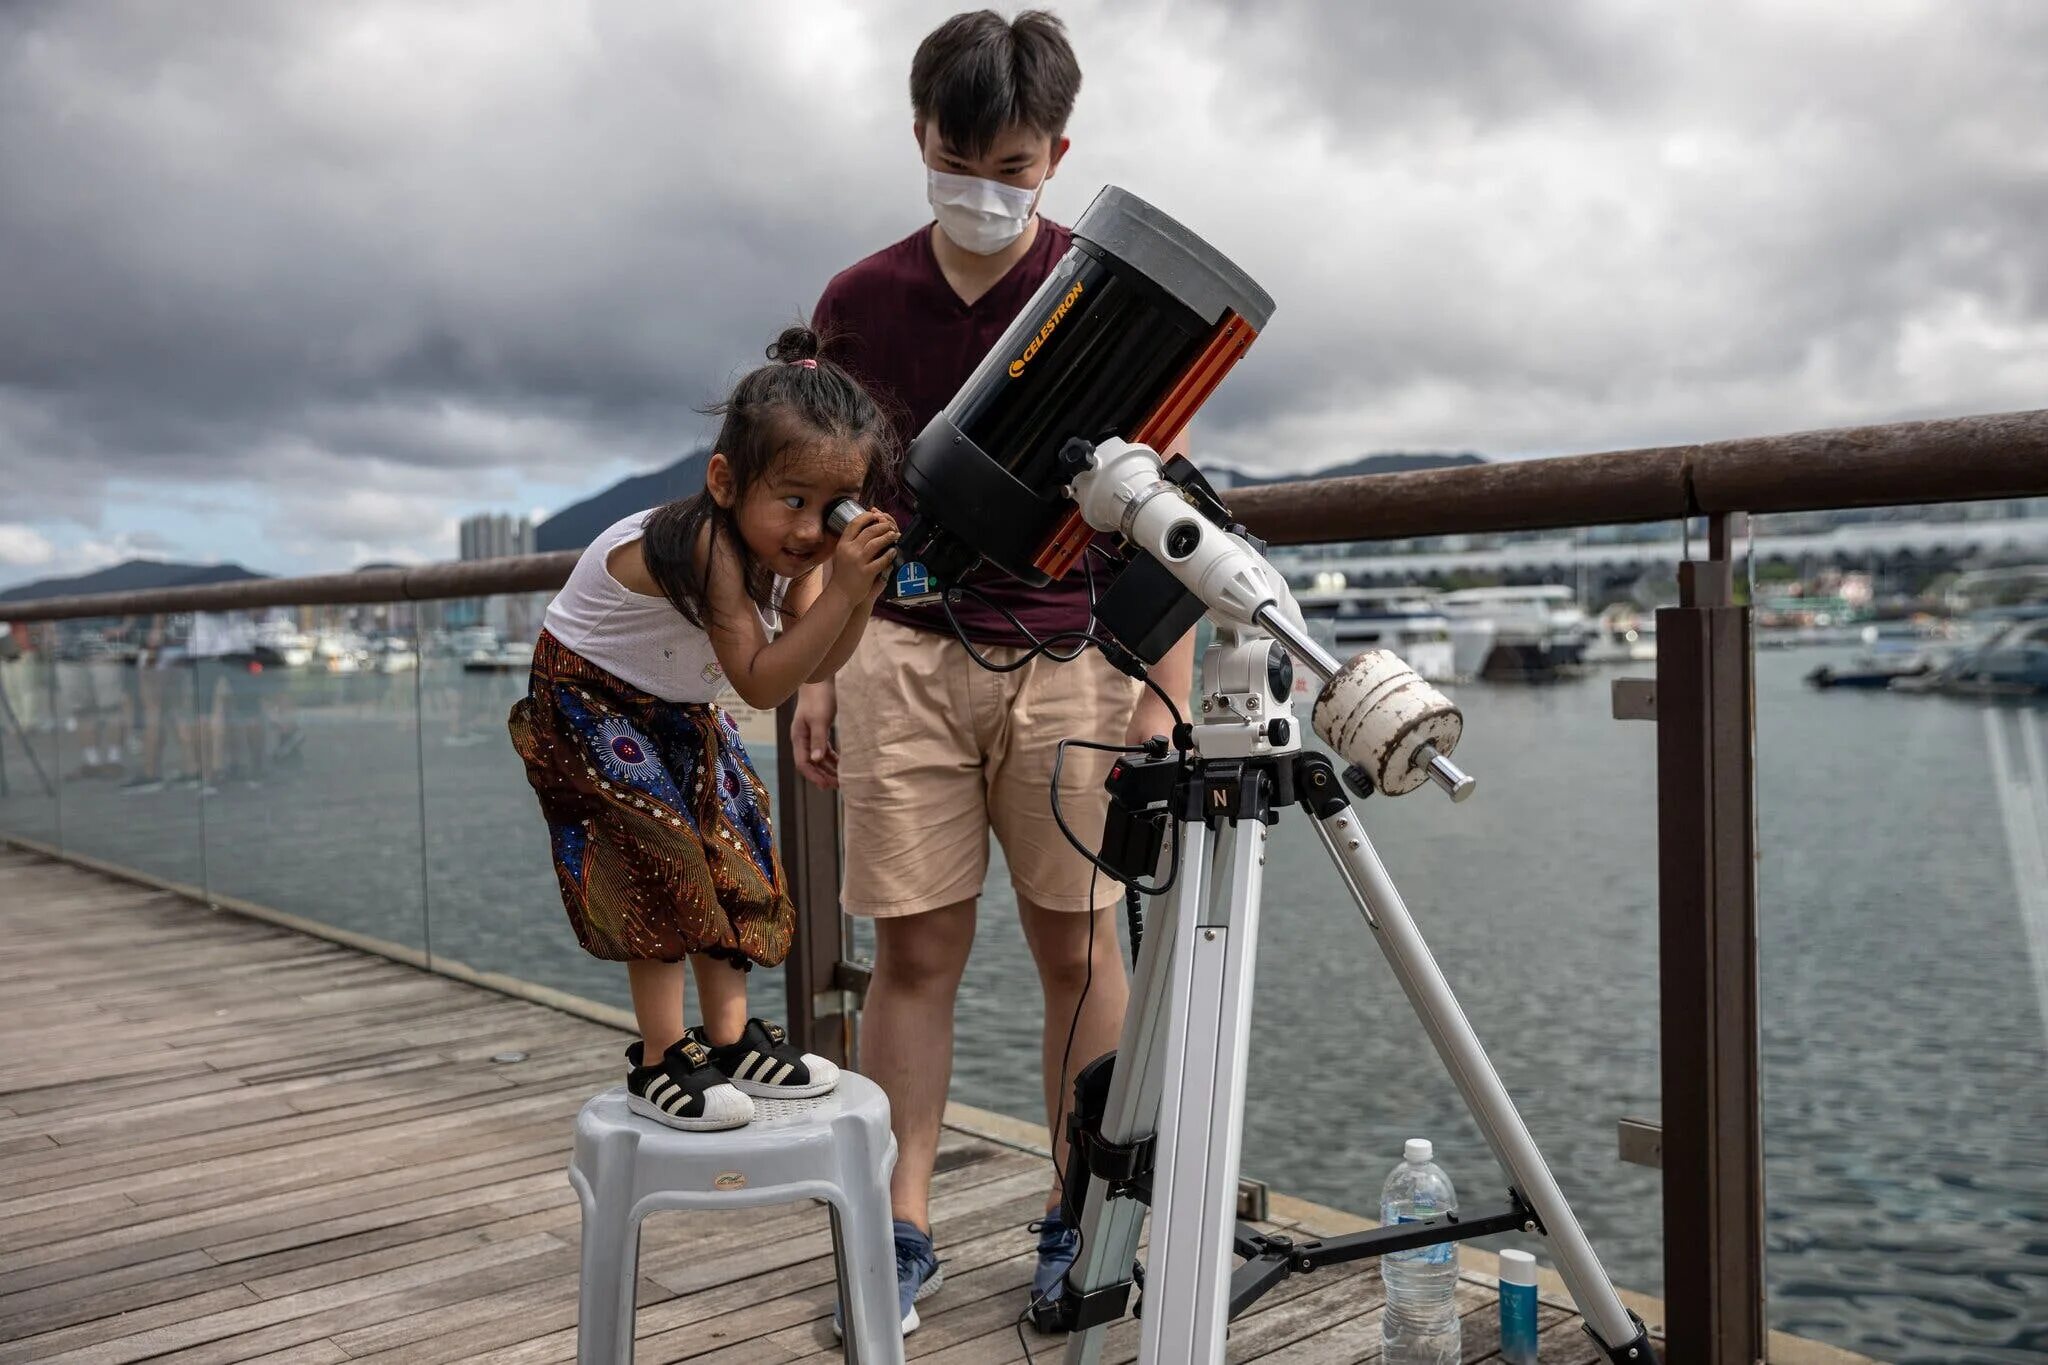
1065,304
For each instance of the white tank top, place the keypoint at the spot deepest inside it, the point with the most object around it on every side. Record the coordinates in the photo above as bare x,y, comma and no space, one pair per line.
640,640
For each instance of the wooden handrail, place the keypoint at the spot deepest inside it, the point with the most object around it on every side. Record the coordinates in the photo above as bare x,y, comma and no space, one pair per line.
1955,459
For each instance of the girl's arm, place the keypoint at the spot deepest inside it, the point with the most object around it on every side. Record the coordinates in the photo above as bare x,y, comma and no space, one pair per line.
805,591
767,672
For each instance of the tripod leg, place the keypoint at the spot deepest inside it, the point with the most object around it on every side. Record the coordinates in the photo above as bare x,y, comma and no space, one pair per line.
1194,1207
1110,1228
1618,1330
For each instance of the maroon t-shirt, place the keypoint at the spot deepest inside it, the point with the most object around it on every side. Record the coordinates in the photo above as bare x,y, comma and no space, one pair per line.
898,327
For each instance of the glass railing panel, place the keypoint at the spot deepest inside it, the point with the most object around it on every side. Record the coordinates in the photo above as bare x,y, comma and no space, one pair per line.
133,730
30,772
1538,898
494,901
1903,815
312,797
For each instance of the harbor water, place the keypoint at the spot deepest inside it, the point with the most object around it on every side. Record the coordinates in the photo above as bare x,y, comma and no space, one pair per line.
1905,1019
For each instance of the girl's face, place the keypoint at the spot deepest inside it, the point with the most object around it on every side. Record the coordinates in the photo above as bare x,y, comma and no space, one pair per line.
781,516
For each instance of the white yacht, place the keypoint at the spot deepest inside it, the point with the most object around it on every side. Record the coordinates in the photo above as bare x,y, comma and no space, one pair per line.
393,654
1538,631
292,645
1404,620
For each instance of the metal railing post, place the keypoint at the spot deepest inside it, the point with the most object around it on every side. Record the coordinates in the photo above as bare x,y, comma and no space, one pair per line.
807,833
1707,969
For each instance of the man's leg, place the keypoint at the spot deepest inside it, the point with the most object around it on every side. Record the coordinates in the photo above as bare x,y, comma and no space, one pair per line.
1081,971
1067,909
906,1039
916,838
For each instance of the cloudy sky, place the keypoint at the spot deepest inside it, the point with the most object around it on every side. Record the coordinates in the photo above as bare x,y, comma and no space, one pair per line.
300,284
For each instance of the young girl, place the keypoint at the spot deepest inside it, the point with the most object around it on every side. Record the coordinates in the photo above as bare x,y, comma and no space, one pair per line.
662,842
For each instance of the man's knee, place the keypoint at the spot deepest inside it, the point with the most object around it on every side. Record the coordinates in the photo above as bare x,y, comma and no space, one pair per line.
926,952
1068,945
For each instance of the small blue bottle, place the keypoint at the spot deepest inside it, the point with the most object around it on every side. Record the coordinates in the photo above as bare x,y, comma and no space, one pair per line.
1518,1308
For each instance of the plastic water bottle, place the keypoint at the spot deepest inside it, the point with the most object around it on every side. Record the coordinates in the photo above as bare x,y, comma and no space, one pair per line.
1420,1324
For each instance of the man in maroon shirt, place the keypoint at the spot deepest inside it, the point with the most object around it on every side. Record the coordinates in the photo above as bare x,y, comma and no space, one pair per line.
933,751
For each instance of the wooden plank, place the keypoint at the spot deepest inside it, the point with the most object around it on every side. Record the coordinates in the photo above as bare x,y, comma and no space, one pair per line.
202,1080
53,1345
425,1292
330,1170
288,1211
114,1341
1357,1337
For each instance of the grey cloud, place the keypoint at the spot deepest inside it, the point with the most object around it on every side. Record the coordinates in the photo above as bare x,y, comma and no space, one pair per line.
410,250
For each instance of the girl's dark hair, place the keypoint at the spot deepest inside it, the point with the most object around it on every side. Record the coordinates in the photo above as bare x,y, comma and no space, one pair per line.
798,399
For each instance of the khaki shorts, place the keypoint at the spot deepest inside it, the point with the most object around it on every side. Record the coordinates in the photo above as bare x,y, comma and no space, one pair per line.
935,751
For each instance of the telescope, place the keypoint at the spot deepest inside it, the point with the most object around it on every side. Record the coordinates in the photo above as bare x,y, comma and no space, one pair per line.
1053,441
1048,453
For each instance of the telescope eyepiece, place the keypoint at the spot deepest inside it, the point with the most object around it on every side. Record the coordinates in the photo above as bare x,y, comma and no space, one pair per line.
841,514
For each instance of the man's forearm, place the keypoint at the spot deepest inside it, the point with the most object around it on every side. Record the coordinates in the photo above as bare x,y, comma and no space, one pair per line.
1175,673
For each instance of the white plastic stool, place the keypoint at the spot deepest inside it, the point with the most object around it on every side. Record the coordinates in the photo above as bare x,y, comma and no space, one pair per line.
836,1148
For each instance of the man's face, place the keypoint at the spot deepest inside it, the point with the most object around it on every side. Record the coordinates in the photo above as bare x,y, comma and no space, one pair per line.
1019,156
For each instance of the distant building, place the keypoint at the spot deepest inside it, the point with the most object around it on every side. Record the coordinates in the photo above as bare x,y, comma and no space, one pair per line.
494,535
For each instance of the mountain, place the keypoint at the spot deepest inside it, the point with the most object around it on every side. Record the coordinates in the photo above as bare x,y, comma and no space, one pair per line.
1390,463
133,576
576,525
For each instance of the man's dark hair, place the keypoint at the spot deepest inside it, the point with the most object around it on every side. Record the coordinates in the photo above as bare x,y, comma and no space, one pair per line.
977,74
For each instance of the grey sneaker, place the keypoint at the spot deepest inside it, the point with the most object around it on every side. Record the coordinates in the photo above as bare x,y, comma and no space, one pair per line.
918,1276
1058,1245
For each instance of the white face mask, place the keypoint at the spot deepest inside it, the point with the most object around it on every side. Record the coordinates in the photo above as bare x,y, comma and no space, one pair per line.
981,216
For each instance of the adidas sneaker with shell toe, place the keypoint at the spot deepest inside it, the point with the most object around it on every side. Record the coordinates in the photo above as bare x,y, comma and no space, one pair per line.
684,1090
766,1065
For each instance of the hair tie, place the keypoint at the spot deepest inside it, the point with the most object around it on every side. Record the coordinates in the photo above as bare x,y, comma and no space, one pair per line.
806,362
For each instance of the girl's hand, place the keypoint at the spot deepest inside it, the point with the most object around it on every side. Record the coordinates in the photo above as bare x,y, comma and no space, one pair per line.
866,552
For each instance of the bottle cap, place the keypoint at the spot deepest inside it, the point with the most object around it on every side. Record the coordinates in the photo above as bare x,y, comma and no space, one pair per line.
1517,1267
1418,1150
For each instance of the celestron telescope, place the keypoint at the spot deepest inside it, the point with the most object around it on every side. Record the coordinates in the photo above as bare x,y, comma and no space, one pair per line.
1051,444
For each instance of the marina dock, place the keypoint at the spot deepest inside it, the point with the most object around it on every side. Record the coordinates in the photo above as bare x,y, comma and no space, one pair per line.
225,1141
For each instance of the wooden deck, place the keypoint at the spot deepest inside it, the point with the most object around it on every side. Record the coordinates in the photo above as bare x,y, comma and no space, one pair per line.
224,1141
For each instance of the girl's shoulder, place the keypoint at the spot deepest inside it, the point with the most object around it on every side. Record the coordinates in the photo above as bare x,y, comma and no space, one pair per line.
625,529
628,565
614,560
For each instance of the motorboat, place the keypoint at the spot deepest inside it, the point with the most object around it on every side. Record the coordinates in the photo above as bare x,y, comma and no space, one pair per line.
292,647
394,654
1539,632
1403,620
2012,663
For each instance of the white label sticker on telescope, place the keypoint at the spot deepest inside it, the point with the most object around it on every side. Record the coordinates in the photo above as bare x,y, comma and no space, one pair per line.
911,583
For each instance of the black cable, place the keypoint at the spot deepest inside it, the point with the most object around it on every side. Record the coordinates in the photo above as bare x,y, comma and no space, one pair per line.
1037,646
1059,1109
1059,758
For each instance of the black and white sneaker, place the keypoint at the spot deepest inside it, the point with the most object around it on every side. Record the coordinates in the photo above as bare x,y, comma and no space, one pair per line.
766,1064
684,1090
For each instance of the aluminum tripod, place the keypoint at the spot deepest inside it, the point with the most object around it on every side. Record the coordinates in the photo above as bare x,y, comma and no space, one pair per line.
1163,1124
